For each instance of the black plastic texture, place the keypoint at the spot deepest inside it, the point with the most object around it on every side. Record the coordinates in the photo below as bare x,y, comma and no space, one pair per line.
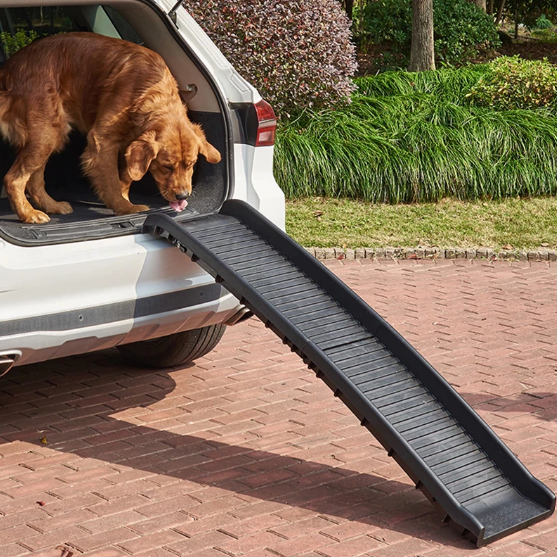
445,447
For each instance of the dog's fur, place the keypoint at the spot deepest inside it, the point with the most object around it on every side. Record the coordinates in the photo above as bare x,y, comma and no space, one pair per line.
121,95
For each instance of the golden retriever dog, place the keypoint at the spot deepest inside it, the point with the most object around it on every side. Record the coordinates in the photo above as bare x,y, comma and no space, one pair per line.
122,96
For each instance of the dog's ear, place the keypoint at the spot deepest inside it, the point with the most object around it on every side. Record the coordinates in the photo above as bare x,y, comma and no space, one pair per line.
206,149
209,152
140,154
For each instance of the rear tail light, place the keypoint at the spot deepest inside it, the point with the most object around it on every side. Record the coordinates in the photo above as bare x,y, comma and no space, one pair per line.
266,124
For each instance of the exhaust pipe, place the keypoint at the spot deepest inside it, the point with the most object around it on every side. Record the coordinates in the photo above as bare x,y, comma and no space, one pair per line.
7,360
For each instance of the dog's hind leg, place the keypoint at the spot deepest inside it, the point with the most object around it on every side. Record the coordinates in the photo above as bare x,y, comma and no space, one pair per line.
37,135
16,181
41,199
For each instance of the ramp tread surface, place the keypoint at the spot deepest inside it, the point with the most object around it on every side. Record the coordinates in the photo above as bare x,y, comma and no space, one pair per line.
393,392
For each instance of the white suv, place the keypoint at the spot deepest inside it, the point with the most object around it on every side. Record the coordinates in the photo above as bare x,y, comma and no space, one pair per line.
92,280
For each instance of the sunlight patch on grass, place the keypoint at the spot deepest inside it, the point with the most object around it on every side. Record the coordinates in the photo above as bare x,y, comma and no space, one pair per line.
520,223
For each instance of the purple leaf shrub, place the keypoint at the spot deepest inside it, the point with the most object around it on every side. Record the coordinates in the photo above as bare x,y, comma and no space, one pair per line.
297,53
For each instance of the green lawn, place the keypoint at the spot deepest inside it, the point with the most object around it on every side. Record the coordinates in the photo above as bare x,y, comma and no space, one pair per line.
520,223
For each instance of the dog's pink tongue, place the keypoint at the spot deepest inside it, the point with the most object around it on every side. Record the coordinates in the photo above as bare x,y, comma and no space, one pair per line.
178,206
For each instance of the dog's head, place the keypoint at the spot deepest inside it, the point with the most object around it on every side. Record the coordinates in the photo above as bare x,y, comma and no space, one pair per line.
170,154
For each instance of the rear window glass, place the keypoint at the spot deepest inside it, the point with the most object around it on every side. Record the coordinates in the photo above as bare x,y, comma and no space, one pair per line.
21,26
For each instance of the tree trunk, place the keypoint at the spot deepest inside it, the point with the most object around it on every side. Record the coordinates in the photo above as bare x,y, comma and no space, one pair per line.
28,19
422,54
349,8
490,7
500,12
480,3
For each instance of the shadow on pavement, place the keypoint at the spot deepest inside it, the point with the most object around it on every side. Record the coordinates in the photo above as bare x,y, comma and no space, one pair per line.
81,405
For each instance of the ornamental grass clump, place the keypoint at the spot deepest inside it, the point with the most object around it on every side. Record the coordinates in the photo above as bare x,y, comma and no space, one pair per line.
413,138
513,83
297,53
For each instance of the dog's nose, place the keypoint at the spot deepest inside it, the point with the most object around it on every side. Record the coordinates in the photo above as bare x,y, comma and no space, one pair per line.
181,196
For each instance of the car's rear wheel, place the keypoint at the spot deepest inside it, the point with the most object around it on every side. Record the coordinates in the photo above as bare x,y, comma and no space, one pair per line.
173,350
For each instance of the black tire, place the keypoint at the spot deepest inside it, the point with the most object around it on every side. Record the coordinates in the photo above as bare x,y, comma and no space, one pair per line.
173,350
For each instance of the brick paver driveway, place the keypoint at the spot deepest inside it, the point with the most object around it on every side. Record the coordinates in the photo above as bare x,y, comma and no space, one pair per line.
247,453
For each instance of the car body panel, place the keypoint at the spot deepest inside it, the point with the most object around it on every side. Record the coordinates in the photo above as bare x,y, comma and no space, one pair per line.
71,298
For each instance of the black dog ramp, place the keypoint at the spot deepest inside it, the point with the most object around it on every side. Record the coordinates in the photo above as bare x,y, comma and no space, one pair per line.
463,468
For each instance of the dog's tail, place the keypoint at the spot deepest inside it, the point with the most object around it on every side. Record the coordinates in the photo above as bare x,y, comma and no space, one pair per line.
6,105
5,108
4,93
3,103
5,81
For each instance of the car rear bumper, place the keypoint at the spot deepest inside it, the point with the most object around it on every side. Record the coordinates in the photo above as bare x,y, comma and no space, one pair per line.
57,335
70,299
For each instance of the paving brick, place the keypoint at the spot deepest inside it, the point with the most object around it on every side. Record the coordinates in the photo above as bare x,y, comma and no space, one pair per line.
50,539
52,523
161,552
346,530
112,521
175,504
110,552
87,543
209,540
247,453
128,502
152,541
12,550
302,527
300,545
353,547
406,548
253,542
17,533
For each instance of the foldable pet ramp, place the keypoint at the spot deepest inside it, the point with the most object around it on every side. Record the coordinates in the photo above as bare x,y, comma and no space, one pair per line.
463,468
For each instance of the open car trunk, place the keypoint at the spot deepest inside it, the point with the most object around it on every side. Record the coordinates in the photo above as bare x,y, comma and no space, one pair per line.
91,219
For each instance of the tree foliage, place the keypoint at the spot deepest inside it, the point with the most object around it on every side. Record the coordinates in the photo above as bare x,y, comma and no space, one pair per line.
460,27
528,11
512,84
12,43
298,53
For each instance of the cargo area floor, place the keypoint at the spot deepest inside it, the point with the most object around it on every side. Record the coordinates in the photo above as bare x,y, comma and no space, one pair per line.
86,207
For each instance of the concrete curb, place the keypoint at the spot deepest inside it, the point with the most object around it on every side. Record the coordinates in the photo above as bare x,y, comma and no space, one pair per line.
432,253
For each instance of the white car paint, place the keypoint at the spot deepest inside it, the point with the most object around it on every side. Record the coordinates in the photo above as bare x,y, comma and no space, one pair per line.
38,282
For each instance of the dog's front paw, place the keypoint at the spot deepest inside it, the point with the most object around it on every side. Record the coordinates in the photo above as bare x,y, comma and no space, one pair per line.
36,217
140,208
61,208
131,209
